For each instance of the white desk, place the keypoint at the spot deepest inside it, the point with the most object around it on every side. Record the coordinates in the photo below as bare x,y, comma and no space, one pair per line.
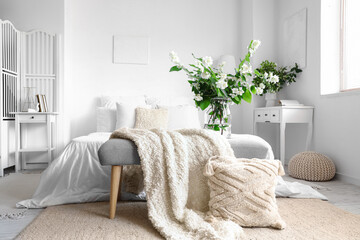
36,117
284,115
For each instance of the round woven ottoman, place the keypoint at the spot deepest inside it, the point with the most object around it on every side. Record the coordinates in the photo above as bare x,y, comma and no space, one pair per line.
311,166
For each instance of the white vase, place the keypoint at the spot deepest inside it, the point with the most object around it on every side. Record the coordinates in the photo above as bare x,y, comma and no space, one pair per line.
270,99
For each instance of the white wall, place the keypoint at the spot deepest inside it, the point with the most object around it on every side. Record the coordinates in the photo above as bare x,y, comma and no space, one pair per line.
202,27
337,117
47,15
259,22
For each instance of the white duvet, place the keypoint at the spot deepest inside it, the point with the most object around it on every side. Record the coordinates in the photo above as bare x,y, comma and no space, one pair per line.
77,176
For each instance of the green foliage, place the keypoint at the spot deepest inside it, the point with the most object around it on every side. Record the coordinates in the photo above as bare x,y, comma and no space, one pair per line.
175,69
285,76
247,96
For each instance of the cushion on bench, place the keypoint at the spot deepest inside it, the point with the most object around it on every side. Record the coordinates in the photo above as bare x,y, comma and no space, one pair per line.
124,152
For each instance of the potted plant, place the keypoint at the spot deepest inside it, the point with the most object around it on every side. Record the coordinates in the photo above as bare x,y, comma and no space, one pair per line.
272,78
214,89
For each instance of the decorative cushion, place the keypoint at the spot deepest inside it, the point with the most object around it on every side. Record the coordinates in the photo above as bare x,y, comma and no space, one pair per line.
151,118
148,119
311,166
110,101
125,114
243,191
105,119
182,116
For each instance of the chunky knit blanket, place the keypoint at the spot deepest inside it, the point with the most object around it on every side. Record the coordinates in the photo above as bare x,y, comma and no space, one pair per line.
177,191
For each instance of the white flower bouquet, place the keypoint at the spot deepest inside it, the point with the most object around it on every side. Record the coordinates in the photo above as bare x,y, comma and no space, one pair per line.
209,83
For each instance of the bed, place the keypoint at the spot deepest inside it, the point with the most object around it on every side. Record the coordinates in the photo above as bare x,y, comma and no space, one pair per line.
77,176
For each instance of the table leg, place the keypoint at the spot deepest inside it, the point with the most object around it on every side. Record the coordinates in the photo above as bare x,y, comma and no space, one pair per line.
17,145
254,128
309,135
48,122
282,142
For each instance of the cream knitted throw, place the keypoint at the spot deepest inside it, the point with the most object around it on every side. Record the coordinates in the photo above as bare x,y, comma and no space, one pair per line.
177,192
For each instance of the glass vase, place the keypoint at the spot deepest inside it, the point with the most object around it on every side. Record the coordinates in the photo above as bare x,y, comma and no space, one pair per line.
218,117
28,103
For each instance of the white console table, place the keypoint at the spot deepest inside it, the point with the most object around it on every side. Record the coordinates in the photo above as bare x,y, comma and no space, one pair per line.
284,115
46,118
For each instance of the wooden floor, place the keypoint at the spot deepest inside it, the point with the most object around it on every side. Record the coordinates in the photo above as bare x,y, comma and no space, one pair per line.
339,193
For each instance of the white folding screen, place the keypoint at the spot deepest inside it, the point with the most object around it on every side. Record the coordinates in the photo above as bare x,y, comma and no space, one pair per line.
39,65
9,90
27,60
10,70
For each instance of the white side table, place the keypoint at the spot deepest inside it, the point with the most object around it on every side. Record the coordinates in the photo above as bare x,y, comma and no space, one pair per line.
284,115
36,117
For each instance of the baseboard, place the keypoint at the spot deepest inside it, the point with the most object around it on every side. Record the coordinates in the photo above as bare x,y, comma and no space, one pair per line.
348,179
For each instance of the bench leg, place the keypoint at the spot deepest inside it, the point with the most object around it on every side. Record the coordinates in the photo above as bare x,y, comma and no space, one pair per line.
114,190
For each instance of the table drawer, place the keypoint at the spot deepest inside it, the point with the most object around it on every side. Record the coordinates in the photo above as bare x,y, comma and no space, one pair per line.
32,118
262,116
275,116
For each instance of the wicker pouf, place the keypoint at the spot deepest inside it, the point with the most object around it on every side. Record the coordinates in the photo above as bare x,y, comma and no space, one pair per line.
311,166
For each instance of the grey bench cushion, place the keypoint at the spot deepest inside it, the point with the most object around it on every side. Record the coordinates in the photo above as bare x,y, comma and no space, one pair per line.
118,152
124,152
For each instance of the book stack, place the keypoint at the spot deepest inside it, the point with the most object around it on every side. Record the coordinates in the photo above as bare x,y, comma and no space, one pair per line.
43,106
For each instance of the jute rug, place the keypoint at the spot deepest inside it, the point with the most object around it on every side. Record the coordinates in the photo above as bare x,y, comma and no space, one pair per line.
305,218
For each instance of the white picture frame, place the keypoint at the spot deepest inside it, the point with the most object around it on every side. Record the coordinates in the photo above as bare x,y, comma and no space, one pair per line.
295,38
131,50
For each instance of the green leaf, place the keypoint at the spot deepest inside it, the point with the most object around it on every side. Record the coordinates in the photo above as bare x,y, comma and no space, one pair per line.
252,89
238,99
175,69
224,93
247,96
247,57
257,72
204,103
241,63
216,127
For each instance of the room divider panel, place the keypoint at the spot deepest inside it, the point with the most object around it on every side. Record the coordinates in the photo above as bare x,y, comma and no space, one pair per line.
27,60
9,90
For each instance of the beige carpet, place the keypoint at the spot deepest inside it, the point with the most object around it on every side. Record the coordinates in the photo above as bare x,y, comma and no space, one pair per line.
305,218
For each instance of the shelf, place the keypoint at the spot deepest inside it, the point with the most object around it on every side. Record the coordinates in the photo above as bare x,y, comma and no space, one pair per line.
35,150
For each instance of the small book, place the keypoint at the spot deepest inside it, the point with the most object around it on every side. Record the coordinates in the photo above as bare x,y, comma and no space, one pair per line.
45,103
290,103
40,100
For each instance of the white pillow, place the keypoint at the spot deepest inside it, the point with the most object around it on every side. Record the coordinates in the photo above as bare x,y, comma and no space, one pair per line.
125,114
105,119
110,101
182,116
169,101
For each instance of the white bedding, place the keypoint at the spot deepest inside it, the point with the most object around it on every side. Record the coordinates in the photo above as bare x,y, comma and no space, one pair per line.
77,176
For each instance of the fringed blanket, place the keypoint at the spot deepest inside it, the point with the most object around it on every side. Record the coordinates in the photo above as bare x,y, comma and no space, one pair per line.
177,193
